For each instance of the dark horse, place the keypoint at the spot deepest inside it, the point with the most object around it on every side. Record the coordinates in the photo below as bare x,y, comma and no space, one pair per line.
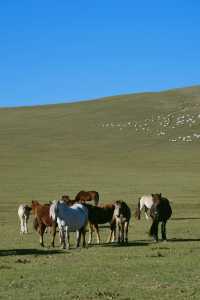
42,220
84,196
101,215
160,211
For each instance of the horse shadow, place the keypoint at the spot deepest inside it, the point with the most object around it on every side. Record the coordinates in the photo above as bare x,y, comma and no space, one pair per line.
183,240
129,244
36,252
185,218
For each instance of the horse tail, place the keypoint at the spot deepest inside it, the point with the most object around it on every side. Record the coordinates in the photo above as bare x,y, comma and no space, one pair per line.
138,213
53,210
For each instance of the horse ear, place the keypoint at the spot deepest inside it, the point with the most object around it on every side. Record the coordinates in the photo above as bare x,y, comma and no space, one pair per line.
160,195
152,195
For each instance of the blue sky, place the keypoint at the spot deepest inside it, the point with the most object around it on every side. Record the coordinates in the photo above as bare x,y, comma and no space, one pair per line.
67,50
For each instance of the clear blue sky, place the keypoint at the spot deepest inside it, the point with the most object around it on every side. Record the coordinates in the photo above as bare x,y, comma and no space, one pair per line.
69,50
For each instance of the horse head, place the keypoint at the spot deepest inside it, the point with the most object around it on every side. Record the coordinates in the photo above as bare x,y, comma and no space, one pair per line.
154,212
156,198
118,208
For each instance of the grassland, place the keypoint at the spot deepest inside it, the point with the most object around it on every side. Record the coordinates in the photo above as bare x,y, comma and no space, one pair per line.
123,147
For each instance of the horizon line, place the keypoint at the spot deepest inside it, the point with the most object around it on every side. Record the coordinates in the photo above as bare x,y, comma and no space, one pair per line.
100,98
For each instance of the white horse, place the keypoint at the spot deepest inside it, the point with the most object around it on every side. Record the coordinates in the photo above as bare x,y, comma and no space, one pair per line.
145,201
69,218
24,213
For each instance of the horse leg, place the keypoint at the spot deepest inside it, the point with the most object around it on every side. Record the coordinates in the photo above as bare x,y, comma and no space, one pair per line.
122,232
126,232
112,231
145,212
22,225
90,233
119,232
64,234
110,234
25,225
163,230
154,230
78,238
83,235
97,232
42,228
53,234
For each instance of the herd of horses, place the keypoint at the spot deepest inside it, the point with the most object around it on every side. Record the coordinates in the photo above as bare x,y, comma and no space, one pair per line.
78,214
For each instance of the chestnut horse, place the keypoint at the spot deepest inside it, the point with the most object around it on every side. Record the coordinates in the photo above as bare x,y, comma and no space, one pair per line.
42,220
160,211
101,215
84,196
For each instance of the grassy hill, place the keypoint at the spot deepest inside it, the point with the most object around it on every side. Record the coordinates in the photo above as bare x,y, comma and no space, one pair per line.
123,147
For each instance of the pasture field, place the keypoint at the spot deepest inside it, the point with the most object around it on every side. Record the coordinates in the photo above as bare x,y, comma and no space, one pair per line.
123,147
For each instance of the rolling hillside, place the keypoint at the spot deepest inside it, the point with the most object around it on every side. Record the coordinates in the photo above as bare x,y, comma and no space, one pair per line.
122,146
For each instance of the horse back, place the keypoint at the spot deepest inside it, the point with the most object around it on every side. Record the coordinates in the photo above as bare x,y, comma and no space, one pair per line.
100,214
41,212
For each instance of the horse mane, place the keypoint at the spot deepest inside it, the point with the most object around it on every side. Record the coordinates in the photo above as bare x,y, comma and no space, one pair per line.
77,198
53,210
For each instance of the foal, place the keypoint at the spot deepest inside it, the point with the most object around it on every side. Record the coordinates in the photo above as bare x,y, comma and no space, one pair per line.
160,211
24,213
122,215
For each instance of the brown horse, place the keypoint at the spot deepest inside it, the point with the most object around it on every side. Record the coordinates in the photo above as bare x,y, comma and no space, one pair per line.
100,215
122,215
84,196
42,220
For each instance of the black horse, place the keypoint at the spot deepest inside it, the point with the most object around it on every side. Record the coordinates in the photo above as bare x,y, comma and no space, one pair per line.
160,211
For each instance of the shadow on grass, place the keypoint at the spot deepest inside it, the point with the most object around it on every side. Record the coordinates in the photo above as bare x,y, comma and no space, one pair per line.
183,240
13,252
130,244
185,218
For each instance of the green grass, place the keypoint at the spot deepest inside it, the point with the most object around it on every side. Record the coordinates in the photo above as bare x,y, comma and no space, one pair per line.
46,151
